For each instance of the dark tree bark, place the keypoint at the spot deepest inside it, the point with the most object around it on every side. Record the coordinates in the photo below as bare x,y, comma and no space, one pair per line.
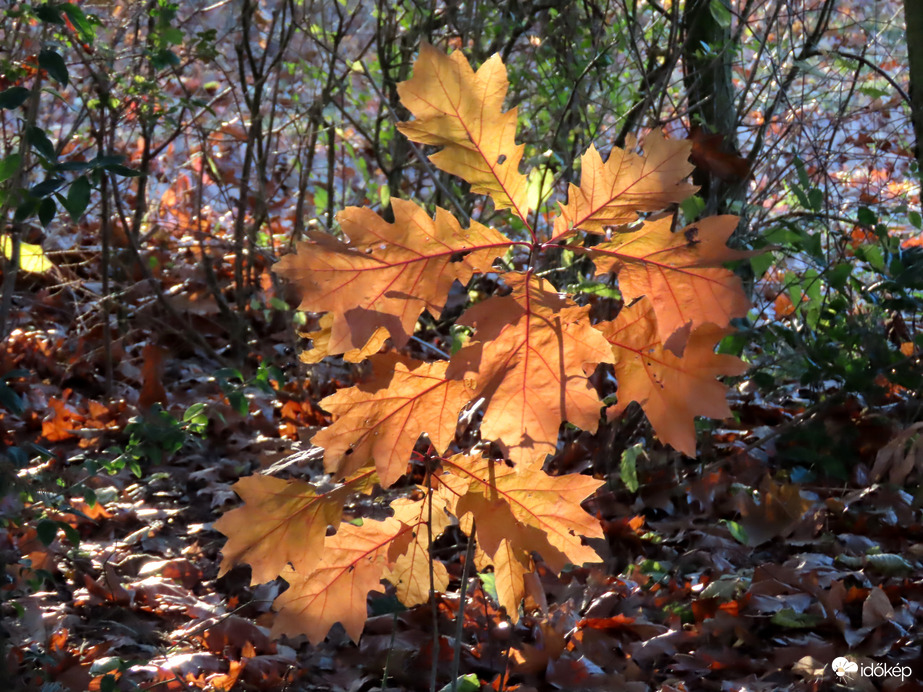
913,16
709,89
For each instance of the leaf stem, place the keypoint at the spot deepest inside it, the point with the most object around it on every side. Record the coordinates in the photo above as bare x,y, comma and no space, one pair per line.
460,617
432,574
435,349
384,674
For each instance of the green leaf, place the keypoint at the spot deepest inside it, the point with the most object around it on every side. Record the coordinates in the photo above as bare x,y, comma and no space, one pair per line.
228,374
760,263
628,469
124,171
489,582
101,666
720,13
46,211
788,617
320,199
46,187
872,255
692,208
466,683
193,411
164,58
239,403
597,288
814,246
838,275
540,185
172,35
873,92
802,198
47,530
783,235
53,63
738,532
9,166
78,197
803,179
278,304
50,14
74,166
71,533
25,209
816,199
85,30
108,160
39,141
915,220
866,216
13,97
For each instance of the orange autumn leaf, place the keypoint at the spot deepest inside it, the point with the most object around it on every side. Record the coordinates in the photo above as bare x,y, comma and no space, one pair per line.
388,273
511,564
380,421
462,111
410,572
612,193
672,390
783,306
282,522
321,344
62,422
528,507
680,272
336,590
531,366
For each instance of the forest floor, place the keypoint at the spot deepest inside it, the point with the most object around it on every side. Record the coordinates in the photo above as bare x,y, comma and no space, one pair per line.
752,567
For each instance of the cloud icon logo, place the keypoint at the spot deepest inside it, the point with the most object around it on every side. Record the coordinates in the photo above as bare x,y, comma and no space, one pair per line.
843,666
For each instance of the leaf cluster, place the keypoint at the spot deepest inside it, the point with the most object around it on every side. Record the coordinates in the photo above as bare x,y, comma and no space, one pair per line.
523,373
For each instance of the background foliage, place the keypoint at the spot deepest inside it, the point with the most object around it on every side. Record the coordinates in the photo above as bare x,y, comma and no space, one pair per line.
157,158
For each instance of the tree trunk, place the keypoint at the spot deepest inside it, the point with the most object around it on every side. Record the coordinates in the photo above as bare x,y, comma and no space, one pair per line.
913,16
709,90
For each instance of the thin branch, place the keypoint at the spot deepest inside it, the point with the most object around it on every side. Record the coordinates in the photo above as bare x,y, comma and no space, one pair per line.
875,68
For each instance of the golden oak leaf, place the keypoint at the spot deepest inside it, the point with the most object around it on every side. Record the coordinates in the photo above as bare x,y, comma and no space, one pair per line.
381,424
680,273
615,192
282,522
321,344
389,273
461,110
536,348
531,509
511,564
451,487
672,390
410,572
336,590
